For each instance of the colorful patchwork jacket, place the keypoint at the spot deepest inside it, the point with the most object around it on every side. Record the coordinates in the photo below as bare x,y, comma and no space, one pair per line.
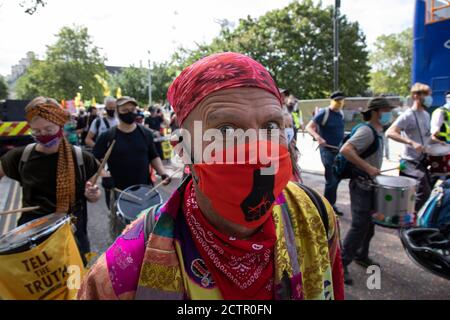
168,266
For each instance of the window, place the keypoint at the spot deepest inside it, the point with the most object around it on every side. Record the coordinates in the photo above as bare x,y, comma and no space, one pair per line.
437,10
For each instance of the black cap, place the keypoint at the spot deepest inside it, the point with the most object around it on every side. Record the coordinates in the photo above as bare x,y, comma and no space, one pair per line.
377,103
447,93
338,95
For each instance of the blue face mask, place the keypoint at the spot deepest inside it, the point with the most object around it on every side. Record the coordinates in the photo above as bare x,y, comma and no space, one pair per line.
289,134
428,101
385,118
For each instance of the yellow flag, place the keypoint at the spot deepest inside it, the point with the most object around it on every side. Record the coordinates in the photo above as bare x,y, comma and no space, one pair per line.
50,271
104,84
78,100
93,102
118,93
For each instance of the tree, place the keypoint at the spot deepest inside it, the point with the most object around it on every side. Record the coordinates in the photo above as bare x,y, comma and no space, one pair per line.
31,6
162,76
391,64
70,66
133,82
295,44
3,88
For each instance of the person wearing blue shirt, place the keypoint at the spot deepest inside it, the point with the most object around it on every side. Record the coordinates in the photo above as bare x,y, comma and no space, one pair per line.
327,128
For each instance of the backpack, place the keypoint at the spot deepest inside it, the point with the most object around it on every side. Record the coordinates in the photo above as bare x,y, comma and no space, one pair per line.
111,135
78,154
97,126
435,213
344,169
327,115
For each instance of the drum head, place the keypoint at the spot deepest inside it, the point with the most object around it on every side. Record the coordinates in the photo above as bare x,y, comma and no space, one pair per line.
31,232
129,207
438,149
395,182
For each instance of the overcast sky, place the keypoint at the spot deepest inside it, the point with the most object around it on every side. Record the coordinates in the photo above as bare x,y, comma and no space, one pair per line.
127,29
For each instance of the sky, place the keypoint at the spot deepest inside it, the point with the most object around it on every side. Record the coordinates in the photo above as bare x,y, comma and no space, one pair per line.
126,30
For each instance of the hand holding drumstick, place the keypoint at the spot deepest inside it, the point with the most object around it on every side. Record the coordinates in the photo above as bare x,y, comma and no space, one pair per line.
92,191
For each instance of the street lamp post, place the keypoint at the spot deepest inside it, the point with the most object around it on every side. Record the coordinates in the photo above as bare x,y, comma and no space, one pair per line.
149,81
337,6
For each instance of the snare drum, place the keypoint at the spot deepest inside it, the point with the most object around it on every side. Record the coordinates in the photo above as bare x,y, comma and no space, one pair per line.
37,259
133,200
439,159
394,201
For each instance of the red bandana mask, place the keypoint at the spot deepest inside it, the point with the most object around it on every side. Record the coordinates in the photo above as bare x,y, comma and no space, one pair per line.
245,193
242,269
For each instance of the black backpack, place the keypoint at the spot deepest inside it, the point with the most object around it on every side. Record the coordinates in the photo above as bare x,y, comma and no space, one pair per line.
97,126
111,135
344,169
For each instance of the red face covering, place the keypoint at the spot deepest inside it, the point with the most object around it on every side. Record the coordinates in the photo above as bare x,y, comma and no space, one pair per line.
244,193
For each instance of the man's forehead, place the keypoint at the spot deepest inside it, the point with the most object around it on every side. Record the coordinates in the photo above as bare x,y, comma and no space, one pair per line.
225,103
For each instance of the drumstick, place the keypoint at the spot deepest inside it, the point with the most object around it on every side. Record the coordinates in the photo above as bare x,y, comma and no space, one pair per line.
102,165
401,167
128,194
27,209
328,146
162,181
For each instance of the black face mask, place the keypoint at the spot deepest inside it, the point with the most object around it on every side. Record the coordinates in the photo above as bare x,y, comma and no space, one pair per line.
128,117
110,113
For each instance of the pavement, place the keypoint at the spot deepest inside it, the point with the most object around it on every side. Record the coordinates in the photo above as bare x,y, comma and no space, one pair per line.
400,278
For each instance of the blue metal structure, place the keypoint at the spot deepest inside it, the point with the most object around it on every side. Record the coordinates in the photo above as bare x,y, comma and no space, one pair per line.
431,47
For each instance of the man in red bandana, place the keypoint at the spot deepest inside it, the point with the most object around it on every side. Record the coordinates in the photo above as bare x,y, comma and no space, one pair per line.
236,228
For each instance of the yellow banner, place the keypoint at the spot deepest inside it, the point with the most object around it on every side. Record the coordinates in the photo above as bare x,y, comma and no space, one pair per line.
50,271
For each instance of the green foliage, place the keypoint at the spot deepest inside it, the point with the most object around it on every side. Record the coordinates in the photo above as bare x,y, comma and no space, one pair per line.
296,44
391,64
3,88
71,62
133,82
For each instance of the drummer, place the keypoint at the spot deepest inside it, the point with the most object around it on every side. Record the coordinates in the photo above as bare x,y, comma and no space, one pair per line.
51,177
415,124
356,244
133,153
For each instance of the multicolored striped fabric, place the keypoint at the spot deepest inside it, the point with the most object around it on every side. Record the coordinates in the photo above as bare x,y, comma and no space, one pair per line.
168,266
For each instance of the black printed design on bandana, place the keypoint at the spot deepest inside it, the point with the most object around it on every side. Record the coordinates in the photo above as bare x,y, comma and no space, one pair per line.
261,197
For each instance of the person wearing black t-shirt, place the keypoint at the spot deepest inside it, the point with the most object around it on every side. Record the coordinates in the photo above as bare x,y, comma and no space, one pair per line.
65,192
153,122
132,154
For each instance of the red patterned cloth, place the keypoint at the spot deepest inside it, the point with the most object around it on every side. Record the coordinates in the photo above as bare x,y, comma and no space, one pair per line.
213,73
242,269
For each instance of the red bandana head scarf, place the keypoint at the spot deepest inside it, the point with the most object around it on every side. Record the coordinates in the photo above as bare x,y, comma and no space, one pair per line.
216,72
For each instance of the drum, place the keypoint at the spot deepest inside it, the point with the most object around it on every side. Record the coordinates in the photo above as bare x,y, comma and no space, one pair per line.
394,201
439,159
38,259
133,200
